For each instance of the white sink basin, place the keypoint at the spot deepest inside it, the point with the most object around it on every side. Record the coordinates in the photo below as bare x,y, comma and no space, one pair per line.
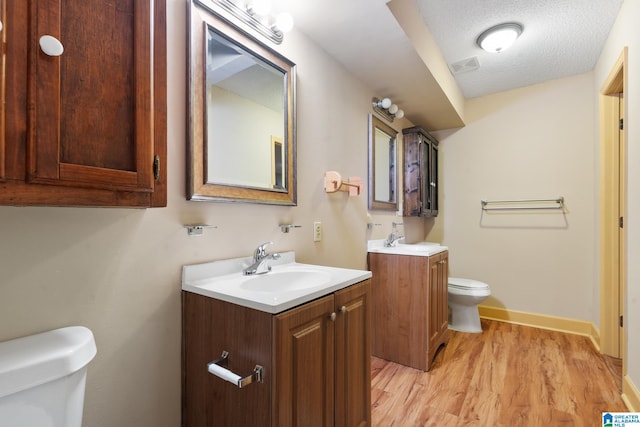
287,285
417,249
286,279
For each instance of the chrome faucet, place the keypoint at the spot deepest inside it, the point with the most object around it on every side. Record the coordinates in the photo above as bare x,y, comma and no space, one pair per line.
393,238
260,258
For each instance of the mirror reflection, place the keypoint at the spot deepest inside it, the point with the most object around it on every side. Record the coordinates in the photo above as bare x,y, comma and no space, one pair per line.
242,105
243,89
383,185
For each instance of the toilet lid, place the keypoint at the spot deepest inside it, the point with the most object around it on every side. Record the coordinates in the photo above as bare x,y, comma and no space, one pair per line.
460,283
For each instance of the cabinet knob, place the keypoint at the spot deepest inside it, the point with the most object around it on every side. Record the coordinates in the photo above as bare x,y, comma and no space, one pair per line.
51,45
343,309
0,25
333,316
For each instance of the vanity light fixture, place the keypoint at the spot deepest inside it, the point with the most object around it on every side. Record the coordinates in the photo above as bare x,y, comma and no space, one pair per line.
500,37
386,109
255,13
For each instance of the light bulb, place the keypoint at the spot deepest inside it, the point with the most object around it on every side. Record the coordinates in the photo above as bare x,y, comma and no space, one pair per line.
385,103
399,114
393,108
284,22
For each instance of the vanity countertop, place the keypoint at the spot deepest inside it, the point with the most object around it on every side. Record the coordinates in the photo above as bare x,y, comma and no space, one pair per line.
415,249
287,285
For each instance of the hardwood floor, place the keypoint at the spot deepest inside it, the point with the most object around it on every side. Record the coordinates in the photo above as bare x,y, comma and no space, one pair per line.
509,375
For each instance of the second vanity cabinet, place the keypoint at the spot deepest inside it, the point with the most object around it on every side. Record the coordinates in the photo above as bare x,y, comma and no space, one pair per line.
410,311
316,360
420,173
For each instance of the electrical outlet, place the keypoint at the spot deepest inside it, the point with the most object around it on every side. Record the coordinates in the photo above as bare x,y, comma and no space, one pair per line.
317,231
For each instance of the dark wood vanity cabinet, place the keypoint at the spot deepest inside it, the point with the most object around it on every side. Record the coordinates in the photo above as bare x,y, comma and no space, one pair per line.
87,127
410,308
420,173
316,359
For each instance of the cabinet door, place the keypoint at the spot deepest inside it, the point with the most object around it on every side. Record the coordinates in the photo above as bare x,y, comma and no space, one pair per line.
420,173
438,317
304,386
443,292
412,175
432,184
353,356
90,124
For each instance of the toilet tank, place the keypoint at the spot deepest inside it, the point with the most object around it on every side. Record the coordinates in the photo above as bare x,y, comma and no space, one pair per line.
42,378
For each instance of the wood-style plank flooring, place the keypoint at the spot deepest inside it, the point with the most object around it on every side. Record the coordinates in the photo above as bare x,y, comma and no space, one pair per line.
509,375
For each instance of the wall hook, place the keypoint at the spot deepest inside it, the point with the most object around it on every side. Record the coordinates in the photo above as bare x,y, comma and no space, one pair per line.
333,182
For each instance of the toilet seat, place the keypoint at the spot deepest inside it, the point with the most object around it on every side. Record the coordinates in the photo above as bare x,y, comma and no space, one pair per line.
467,284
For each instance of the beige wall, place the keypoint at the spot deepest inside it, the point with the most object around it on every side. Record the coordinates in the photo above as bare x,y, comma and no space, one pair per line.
627,33
531,143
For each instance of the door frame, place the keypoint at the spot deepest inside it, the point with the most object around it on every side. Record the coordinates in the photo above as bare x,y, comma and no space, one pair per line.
613,179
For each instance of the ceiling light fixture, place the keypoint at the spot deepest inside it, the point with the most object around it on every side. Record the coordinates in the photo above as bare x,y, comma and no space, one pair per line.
387,109
498,38
255,13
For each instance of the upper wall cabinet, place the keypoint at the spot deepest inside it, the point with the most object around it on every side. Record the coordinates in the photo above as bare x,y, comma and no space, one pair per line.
420,173
84,107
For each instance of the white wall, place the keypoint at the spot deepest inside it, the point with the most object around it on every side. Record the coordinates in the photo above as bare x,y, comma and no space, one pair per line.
627,33
531,143
117,271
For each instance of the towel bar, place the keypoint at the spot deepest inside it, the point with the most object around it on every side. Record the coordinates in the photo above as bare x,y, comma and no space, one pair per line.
526,204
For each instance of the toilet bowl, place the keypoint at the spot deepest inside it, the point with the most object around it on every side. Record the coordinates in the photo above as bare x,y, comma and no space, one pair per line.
464,297
42,378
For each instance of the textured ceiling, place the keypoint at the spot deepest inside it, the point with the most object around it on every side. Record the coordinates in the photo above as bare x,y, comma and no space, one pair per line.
560,38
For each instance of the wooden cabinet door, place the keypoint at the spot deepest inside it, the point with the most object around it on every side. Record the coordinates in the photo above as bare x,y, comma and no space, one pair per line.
412,175
420,173
353,356
433,178
87,127
437,319
304,365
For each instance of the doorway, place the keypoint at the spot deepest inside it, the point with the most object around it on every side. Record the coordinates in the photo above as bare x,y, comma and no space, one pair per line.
613,180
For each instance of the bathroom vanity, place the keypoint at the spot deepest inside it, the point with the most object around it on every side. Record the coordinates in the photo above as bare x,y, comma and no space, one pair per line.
409,302
311,344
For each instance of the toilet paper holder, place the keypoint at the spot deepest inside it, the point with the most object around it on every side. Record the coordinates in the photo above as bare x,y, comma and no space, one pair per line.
218,368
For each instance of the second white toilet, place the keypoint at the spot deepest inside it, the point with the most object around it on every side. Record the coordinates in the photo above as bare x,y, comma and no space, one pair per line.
464,297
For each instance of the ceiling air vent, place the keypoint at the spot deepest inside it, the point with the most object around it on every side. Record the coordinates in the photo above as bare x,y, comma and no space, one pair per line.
464,66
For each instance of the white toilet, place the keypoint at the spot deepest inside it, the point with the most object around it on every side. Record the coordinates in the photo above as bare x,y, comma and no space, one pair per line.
42,378
464,297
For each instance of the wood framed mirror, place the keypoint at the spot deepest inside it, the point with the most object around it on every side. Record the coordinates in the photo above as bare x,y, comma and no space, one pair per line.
242,132
383,170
